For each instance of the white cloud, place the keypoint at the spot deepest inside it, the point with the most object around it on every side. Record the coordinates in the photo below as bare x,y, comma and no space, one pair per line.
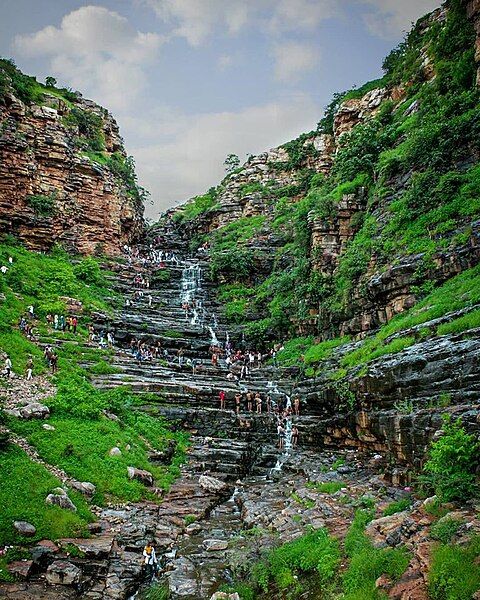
97,51
196,19
180,155
293,59
391,18
292,15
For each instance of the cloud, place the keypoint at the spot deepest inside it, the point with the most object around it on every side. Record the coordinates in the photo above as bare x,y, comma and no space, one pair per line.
292,15
391,18
195,20
97,51
293,59
181,155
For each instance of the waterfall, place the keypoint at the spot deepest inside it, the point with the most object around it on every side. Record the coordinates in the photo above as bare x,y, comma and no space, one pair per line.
191,283
213,337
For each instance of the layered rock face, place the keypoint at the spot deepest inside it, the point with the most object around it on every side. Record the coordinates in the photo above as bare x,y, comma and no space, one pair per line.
86,206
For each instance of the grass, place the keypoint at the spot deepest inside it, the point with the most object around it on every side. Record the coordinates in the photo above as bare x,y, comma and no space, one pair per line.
444,529
327,487
81,447
315,553
368,563
397,506
454,571
460,324
25,485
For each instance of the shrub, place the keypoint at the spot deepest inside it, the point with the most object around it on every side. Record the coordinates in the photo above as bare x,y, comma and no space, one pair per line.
42,205
88,271
397,506
454,572
452,463
444,529
327,487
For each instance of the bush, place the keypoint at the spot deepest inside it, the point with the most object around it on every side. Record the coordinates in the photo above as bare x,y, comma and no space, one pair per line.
397,506
452,463
315,553
454,573
42,205
368,563
89,271
444,529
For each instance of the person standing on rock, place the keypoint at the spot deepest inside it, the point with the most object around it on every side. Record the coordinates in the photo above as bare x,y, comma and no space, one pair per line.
8,366
150,560
281,435
258,402
221,396
249,401
296,405
53,362
238,398
294,436
29,369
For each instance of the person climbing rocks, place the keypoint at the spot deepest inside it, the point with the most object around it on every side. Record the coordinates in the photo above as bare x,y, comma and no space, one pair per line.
8,367
296,406
238,398
54,362
258,403
29,369
215,359
74,323
294,436
249,401
221,396
150,560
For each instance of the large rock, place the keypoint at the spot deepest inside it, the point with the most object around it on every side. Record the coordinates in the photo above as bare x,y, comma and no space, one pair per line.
62,572
215,545
61,500
25,528
115,451
212,484
20,568
33,410
84,487
140,475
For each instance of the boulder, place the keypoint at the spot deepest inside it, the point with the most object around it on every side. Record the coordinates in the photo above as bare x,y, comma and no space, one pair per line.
215,545
48,427
34,410
20,568
61,500
84,487
62,572
115,451
225,596
212,485
25,528
140,475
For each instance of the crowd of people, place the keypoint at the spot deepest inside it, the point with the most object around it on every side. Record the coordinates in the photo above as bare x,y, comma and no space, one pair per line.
63,322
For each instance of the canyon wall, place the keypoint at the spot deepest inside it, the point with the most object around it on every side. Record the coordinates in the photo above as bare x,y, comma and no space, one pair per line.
56,186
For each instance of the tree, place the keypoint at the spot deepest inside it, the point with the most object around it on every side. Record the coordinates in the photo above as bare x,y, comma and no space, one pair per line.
50,81
231,163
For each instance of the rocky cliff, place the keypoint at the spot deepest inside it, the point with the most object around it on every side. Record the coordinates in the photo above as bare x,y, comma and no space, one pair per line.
362,217
64,174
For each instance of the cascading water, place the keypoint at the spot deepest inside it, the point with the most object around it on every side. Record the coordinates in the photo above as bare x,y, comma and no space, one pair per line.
213,337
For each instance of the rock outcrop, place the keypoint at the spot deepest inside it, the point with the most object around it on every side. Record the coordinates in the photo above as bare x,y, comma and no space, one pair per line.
54,191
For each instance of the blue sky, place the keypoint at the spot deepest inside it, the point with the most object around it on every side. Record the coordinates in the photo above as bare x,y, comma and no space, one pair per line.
190,81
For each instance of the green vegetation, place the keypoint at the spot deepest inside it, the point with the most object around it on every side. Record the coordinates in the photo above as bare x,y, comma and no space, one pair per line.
327,487
368,563
397,506
90,129
411,168
315,553
83,435
453,460
25,485
454,572
81,445
27,88
444,529
197,206
42,205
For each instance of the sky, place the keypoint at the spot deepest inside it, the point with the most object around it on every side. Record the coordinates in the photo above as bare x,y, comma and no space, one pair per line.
190,81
